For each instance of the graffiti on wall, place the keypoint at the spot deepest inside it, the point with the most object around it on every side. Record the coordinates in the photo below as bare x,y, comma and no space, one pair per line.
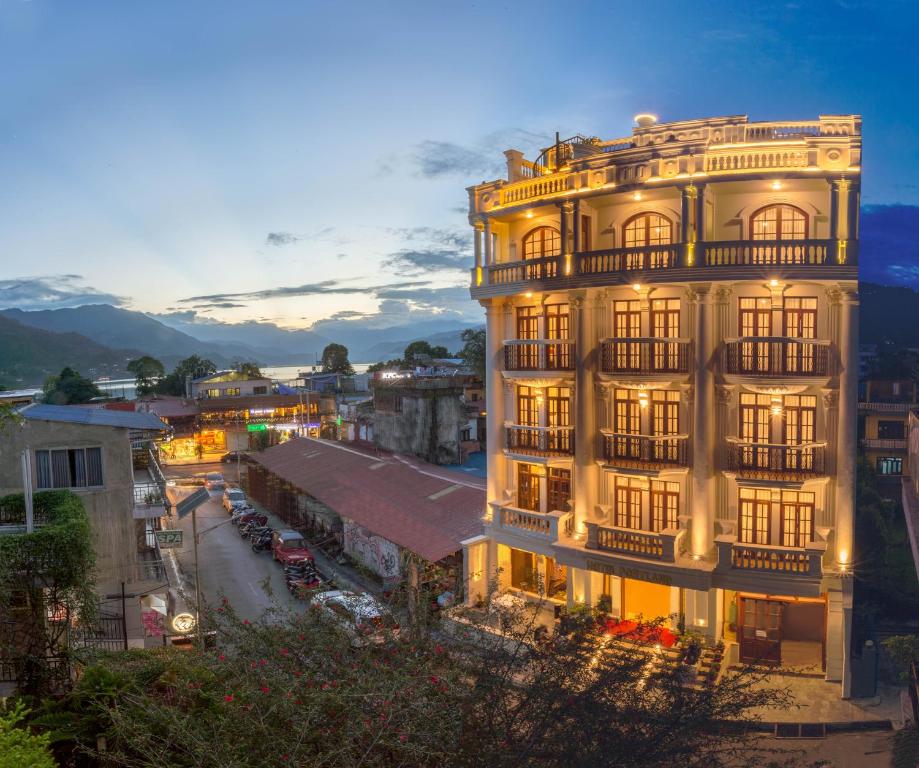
377,553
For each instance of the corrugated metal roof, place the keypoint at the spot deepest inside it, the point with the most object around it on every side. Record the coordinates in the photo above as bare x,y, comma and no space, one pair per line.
400,499
75,414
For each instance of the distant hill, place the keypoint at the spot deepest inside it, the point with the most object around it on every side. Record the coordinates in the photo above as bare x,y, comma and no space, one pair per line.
389,350
121,328
29,355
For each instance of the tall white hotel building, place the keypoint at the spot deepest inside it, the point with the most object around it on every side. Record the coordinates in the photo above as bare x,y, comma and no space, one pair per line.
672,334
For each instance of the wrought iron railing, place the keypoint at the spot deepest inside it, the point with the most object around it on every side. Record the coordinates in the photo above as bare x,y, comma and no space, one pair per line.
626,450
776,356
540,441
645,356
538,355
770,461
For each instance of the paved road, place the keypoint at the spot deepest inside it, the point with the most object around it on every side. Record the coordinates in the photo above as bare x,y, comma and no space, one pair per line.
228,566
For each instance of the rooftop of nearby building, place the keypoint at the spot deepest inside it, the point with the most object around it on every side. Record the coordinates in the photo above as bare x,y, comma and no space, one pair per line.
426,509
75,414
221,376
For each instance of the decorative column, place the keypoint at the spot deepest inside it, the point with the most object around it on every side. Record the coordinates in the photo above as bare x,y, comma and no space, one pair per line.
841,213
478,228
577,227
585,410
846,429
703,427
494,400
489,243
564,258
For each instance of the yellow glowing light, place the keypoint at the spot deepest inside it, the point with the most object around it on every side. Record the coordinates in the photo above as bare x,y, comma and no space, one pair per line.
773,283
776,185
642,399
701,623
690,254
636,196
529,294
636,286
529,214
478,275
843,557
776,407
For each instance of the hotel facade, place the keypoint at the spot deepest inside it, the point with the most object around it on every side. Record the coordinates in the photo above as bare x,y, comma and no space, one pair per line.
672,380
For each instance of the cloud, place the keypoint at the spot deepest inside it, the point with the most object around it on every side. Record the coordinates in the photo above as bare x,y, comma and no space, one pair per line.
447,250
889,244
436,159
278,239
53,292
324,287
219,305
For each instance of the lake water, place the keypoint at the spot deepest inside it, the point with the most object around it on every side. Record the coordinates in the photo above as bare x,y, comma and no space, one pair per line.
285,373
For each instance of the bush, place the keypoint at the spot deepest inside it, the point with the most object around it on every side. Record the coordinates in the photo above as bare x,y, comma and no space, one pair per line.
19,748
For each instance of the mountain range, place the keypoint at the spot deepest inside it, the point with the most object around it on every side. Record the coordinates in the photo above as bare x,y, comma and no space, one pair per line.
99,339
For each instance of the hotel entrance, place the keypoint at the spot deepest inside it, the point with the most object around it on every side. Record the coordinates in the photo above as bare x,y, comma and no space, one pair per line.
784,631
646,600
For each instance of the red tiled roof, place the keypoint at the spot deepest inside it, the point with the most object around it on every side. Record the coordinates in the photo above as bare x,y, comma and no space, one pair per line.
389,495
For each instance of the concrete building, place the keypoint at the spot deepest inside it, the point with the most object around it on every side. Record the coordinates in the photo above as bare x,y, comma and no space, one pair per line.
227,384
672,337
884,414
89,451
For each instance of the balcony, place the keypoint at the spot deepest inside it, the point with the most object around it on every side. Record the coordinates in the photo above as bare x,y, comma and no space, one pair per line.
523,271
539,441
804,562
765,461
777,356
876,407
614,260
645,357
538,355
662,546
544,526
645,451
885,443
754,253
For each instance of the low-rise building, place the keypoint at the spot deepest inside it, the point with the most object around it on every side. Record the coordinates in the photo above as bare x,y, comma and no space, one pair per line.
227,384
884,413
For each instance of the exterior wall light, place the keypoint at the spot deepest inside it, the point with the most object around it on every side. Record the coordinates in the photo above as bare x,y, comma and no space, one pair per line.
636,196
529,214
776,408
636,287
529,294
776,185
773,283
642,400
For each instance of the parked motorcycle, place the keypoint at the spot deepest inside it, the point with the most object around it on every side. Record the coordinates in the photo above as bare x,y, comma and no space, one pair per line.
242,513
253,531
256,517
261,542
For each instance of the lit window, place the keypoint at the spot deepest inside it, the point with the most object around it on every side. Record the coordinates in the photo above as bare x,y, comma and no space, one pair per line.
541,242
647,229
779,222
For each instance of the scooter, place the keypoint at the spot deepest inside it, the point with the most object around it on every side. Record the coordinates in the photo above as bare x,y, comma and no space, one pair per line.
261,542
255,531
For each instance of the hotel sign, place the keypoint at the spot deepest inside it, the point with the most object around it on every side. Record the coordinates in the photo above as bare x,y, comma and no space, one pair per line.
628,572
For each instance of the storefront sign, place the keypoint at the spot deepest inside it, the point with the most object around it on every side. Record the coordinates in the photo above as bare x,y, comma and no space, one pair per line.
169,539
629,573
256,427
183,622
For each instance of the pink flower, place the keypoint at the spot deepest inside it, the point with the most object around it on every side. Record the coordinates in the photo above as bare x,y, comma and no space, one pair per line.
438,648
284,652
246,621
228,697
265,689
226,601
220,610
403,738
221,657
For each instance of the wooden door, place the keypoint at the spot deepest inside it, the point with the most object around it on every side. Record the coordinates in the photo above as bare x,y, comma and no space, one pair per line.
760,630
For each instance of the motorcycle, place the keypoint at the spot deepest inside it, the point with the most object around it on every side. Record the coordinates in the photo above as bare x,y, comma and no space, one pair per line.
250,517
254,531
240,513
261,542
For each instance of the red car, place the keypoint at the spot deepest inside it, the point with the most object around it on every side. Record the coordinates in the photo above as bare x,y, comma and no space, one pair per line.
289,547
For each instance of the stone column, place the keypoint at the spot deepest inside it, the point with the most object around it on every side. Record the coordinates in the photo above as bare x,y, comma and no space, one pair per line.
702,427
576,231
846,429
478,228
494,400
586,477
489,245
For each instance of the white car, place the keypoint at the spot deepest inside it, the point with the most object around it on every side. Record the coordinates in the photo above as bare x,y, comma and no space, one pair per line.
233,498
214,481
361,616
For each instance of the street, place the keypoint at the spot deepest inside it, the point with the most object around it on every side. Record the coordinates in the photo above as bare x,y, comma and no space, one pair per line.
228,566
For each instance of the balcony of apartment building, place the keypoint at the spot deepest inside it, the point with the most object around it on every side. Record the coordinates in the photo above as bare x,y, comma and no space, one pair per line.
151,506
539,441
762,357
540,358
648,359
765,461
538,508
631,451
542,427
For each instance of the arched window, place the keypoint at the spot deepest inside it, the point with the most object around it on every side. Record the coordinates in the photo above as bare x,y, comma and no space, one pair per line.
542,241
778,222
647,229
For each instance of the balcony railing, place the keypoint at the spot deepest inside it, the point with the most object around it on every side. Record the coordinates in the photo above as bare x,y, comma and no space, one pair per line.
521,271
887,407
661,546
645,356
637,451
776,356
540,441
776,462
628,259
764,558
538,355
749,253
547,526
885,443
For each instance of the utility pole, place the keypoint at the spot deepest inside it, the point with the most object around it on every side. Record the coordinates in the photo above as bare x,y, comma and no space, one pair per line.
194,535
27,491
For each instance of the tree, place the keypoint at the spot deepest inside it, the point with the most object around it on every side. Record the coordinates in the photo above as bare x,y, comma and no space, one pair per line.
147,371
174,383
421,351
69,388
249,369
381,366
295,690
335,360
473,351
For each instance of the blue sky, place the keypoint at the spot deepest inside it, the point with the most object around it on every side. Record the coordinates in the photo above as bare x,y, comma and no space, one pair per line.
301,161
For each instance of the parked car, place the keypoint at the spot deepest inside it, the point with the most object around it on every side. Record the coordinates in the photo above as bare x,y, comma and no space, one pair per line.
234,498
361,616
289,547
234,456
214,481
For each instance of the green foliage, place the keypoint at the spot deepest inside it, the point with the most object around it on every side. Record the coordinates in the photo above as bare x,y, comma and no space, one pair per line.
905,748
249,369
19,748
9,417
335,359
419,352
259,441
381,366
473,351
174,383
52,567
147,371
296,690
69,388
904,651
